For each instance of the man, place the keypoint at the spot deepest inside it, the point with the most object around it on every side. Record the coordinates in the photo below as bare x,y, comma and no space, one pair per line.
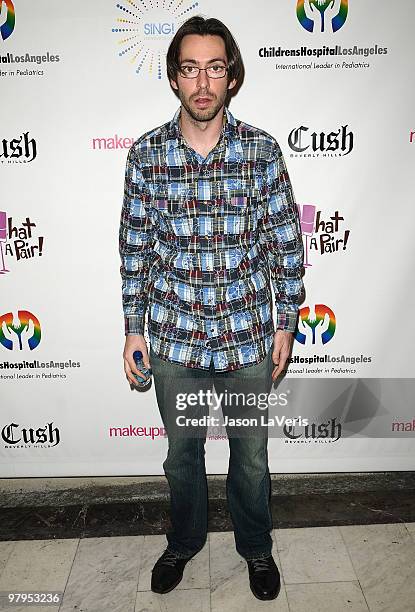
208,221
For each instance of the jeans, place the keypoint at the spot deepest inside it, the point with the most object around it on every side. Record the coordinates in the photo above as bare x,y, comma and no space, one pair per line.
248,483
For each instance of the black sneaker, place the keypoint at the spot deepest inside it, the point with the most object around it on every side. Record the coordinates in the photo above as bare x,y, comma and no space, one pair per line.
264,578
167,572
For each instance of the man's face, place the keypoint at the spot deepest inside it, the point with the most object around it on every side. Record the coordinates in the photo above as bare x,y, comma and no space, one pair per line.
202,97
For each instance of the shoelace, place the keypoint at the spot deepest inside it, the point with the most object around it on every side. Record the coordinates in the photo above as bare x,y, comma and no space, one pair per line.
169,558
260,565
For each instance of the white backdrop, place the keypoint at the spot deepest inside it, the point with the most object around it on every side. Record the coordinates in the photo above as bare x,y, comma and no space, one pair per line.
61,196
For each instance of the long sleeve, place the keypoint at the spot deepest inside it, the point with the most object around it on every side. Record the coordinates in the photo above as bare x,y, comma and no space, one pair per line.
136,240
282,242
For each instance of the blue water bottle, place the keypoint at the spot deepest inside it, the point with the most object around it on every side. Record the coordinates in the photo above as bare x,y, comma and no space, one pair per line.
138,359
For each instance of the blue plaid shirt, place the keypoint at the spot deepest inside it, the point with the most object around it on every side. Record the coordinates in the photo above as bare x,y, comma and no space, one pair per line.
202,239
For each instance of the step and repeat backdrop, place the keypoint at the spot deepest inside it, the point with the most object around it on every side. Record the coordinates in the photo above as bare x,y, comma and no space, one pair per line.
332,81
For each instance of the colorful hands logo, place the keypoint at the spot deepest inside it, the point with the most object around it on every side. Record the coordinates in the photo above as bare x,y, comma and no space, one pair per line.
331,14
322,318
19,332
147,31
7,18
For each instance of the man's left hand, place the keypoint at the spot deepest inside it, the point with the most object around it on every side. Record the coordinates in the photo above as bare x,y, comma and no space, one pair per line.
283,341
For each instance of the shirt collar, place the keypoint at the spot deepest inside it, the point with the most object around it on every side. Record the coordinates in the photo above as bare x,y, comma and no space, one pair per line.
175,137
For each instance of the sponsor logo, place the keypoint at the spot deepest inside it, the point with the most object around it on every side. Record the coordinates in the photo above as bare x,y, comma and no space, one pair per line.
321,235
315,144
113,142
326,431
134,431
323,51
322,15
22,331
19,332
319,322
8,368
26,58
144,32
324,18
19,240
7,18
16,436
20,150
403,426
12,61
313,54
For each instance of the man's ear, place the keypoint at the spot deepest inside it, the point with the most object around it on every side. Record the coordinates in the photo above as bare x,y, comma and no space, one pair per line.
173,84
232,84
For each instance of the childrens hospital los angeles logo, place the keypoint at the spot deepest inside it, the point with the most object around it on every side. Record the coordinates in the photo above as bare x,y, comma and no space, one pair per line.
322,15
19,331
7,18
145,30
318,324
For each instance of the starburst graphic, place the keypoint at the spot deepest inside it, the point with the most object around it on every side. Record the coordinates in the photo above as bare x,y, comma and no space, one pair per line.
146,29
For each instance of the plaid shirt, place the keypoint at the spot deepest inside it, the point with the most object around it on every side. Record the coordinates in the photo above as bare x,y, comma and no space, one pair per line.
200,241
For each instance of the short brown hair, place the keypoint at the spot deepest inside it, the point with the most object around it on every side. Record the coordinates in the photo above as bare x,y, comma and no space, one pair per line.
200,25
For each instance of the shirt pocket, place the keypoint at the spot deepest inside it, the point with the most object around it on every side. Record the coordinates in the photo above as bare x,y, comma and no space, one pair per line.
241,195
240,209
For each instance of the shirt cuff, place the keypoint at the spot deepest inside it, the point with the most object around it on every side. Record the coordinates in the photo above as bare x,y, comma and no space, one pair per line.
134,325
286,319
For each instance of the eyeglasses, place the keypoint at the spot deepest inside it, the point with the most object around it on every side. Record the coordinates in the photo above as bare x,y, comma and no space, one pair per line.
216,71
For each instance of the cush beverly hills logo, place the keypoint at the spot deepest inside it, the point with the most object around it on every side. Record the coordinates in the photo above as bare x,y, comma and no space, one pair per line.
7,18
146,30
337,143
322,15
19,150
15,436
19,332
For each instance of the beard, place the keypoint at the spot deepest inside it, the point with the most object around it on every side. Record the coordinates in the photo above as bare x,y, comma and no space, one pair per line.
202,114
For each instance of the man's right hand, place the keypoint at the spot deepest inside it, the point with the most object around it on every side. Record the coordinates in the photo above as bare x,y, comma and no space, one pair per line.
134,343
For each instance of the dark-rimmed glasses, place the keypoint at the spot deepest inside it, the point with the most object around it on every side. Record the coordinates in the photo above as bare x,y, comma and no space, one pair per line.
216,71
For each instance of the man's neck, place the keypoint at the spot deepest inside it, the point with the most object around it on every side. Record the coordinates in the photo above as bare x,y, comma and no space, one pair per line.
202,136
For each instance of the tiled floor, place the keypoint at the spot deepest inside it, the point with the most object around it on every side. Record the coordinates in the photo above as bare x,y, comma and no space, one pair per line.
324,569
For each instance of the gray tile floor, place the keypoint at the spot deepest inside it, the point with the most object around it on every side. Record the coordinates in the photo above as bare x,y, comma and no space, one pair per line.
324,569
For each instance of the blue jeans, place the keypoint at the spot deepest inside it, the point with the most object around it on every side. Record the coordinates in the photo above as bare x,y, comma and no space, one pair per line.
248,482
